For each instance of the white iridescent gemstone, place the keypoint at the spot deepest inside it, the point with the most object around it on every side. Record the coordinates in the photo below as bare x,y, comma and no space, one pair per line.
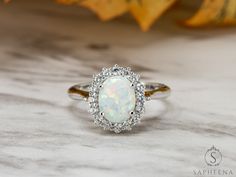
116,99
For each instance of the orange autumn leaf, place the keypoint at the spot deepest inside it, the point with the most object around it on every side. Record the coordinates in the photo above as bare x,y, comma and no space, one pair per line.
147,11
106,9
220,12
212,12
144,11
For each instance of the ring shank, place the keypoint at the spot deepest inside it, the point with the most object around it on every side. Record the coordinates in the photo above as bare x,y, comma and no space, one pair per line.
157,90
152,90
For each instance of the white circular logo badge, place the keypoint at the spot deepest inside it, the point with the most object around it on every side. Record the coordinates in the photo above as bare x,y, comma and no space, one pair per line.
213,157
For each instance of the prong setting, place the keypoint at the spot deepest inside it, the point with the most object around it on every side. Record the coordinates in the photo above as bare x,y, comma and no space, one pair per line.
102,114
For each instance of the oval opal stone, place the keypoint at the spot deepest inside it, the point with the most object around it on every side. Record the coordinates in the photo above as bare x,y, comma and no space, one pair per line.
116,99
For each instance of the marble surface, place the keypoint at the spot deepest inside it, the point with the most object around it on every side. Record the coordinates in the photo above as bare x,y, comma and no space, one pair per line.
45,48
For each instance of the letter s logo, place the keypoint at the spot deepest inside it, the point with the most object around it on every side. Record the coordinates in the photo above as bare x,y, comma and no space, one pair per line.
213,157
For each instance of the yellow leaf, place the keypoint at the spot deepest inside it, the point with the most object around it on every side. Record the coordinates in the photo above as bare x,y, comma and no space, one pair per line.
68,1
221,12
106,9
144,11
147,11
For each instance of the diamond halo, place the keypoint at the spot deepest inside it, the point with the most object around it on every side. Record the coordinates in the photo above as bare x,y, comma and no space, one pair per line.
95,87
